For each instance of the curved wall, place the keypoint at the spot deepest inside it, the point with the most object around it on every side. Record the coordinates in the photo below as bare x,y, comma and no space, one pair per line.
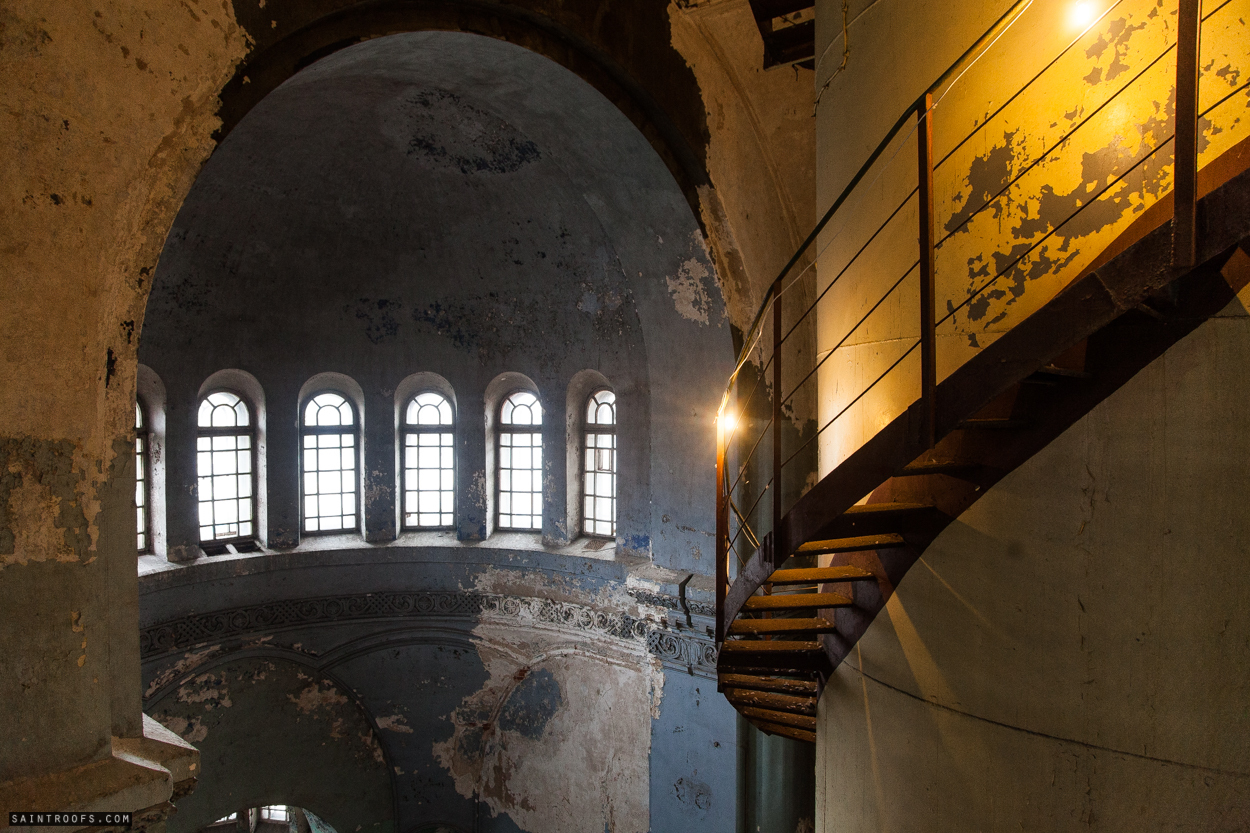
1047,145
273,731
501,690
1071,652
453,204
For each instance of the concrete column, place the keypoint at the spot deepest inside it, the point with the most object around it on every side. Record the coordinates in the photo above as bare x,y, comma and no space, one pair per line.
181,493
380,484
118,550
282,463
473,486
776,782
556,530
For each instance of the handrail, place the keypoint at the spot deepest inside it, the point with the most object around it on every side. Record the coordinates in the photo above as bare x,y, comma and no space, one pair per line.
999,26
772,546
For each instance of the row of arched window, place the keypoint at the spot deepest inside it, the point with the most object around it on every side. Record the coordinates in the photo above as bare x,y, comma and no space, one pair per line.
226,465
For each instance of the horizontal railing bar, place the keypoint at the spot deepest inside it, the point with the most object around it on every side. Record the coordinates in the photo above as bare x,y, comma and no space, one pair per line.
1069,218
851,332
1001,25
748,345
980,127
1044,155
1052,232
850,263
742,470
851,404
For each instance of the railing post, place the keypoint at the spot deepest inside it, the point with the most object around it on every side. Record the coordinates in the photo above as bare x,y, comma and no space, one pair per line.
777,417
928,327
1185,191
722,531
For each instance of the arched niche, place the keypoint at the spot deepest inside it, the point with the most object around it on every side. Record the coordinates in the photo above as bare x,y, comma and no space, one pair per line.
272,730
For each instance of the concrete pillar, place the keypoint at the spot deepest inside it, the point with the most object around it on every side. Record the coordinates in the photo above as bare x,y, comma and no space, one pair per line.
181,506
472,483
556,531
776,782
282,462
380,481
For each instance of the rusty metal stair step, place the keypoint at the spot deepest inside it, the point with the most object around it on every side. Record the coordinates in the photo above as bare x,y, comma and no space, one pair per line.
774,646
994,424
819,575
768,627
768,683
859,543
792,732
1062,372
768,700
793,665
797,601
949,467
801,721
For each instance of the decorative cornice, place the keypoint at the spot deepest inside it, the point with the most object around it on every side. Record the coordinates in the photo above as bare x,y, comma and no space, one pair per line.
682,651
672,602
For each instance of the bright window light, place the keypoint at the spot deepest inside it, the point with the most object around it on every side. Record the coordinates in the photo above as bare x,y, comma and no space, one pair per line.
429,463
520,462
599,471
275,813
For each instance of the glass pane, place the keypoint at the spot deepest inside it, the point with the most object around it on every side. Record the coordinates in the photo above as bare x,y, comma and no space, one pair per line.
329,481
328,409
224,477
521,408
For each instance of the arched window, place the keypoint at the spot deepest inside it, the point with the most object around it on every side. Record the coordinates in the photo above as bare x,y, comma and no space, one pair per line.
599,466
429,463
520,462
330,459
142,479
225,468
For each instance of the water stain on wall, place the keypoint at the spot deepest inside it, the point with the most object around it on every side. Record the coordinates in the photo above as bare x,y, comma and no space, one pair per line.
444,130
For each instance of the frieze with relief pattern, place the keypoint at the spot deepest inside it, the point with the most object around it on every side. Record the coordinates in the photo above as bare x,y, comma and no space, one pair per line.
686,651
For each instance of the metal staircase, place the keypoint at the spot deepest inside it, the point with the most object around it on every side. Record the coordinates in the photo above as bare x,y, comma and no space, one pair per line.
813,582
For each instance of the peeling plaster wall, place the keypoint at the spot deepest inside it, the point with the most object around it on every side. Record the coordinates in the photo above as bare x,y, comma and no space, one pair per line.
108,115
542,709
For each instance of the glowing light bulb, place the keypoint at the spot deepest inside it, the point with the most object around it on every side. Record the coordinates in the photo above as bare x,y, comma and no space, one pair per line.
727,421
1082,14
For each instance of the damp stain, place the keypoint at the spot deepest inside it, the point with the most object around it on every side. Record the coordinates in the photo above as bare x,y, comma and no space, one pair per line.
447,132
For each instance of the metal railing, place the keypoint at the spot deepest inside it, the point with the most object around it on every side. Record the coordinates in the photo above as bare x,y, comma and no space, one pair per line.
774,425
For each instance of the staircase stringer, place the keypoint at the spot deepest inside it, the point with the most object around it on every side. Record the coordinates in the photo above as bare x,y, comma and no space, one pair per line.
1126,312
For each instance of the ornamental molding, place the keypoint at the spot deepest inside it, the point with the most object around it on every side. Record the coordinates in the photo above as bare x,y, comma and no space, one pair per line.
683,651
664,600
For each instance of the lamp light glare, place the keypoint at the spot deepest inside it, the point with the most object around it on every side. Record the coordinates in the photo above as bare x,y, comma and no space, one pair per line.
727,421
1082,14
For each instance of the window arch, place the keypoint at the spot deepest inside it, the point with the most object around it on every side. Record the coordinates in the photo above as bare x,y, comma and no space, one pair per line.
143,479
429,462
520,504
599,465
225,468
330,463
